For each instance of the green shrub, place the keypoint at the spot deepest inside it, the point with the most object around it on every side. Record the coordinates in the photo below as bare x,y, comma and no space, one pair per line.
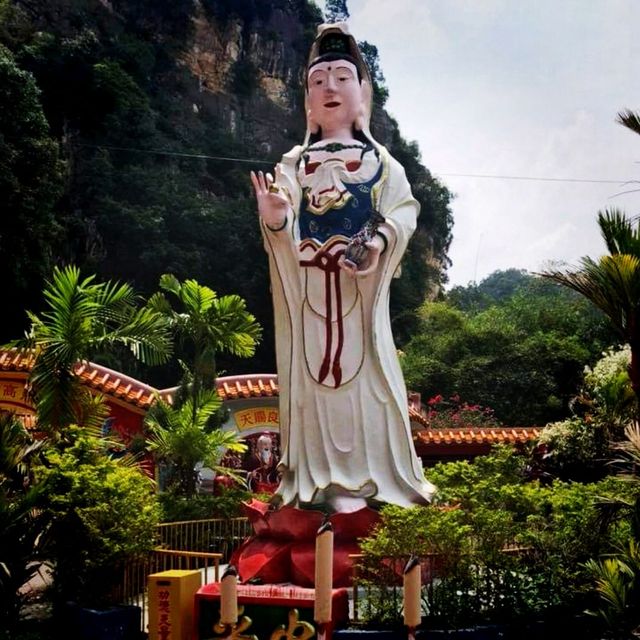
497,548
175,508
103,512
576,449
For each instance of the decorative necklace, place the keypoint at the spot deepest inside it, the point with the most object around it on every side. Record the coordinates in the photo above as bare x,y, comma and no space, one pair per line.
332,147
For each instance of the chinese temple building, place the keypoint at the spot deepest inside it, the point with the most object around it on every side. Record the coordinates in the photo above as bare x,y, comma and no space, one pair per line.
252,404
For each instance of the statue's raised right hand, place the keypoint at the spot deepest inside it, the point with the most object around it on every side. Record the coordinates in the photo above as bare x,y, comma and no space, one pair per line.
272,203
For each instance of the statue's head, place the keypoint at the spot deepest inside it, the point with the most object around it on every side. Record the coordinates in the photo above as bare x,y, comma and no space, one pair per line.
338,84
264,446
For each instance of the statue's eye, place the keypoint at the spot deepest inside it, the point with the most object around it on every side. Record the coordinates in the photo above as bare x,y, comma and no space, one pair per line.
311,167
353,165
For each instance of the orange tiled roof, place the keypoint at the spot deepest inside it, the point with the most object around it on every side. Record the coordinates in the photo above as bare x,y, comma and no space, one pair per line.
115,384
103,379
476,435
248,386
15,360
253,385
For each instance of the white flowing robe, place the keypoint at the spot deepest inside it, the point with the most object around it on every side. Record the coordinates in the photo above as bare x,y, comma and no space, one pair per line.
344,432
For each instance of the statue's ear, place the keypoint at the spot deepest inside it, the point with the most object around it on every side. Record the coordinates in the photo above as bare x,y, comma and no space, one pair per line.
312,126
364,114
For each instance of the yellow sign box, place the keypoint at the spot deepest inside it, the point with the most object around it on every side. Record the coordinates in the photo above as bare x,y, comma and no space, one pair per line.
257,417
171,595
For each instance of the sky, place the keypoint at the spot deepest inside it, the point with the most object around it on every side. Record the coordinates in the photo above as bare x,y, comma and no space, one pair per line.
523,88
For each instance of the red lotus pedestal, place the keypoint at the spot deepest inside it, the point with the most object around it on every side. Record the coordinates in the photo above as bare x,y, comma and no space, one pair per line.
283,547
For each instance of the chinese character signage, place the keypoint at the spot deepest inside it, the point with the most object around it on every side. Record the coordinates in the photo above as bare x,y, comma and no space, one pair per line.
257,417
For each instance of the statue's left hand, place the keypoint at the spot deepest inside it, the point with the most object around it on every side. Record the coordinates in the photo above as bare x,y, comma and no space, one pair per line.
375,246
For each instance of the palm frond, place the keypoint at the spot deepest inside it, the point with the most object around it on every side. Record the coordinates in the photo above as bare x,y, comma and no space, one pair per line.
158,302
612,583
629,449
197,298
90,413
629,119
234,328
612,284
17,448
619,233
197,414
146,333
170,283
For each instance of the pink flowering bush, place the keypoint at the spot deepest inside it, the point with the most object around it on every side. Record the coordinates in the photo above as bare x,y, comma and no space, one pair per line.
452,413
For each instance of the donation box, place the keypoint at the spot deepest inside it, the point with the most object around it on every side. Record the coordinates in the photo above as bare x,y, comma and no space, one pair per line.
171,596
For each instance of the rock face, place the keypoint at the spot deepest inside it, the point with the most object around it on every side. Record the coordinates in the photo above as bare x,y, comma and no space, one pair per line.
249,72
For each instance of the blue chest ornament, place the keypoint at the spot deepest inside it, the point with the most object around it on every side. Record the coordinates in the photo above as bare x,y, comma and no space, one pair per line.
346,220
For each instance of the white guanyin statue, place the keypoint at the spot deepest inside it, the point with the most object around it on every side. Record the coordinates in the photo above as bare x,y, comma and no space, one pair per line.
336,220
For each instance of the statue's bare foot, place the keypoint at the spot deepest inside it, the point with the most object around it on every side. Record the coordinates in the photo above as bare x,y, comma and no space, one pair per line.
347,504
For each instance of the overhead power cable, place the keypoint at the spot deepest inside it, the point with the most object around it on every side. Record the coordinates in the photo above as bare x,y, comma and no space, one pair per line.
159,152
537,179
203,156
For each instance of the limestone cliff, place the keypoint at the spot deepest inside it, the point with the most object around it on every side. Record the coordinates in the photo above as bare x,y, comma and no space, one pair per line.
250,72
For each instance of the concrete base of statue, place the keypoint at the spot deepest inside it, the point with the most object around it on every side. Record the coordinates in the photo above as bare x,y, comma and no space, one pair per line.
283,547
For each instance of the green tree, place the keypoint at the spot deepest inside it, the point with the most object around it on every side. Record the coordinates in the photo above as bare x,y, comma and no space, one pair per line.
496,287
103,513
336,11
32,176
522,356
81,319
21,524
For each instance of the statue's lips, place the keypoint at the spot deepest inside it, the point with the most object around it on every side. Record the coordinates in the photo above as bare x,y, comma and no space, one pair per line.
331,105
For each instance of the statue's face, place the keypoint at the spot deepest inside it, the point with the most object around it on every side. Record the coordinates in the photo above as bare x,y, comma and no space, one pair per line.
264,447
335,94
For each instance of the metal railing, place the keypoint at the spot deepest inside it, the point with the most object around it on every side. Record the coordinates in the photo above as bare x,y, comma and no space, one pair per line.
189,544
212,535
134,583
431,569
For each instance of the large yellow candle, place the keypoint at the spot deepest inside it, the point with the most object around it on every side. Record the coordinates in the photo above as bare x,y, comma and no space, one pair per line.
229,596
324,574
412,584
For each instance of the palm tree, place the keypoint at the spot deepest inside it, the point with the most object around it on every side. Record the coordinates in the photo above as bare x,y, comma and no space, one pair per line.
184,434
617,576
612,283
81,319
180,437
205,325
